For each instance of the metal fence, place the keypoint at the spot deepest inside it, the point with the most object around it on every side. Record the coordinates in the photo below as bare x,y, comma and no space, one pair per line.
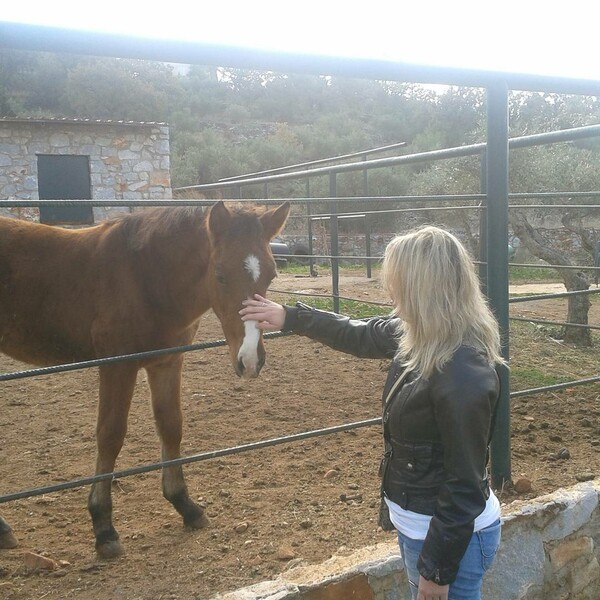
494,153
335,296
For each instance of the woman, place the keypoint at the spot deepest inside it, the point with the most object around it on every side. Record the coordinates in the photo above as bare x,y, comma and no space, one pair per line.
439,404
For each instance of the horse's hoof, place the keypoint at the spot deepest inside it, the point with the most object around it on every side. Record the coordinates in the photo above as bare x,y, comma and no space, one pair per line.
8,540
200,522
112,549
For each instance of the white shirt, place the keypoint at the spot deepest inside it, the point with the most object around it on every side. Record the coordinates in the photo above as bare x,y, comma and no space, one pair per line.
415,525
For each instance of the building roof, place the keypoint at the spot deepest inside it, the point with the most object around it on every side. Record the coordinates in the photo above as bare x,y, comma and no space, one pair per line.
73,121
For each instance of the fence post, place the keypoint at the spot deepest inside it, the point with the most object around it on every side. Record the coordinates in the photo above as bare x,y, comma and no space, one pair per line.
311,260
367,220
333,231
368,243
483,221
497,269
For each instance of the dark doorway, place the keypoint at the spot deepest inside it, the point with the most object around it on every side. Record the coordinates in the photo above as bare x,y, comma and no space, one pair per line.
64,177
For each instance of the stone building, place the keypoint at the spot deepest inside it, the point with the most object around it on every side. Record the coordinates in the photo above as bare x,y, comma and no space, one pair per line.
82,159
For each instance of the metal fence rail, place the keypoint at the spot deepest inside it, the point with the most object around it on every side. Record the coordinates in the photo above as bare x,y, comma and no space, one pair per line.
201,456
527,141
77,366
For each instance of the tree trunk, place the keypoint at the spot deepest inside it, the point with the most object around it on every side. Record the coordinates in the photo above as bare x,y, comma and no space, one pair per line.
578,306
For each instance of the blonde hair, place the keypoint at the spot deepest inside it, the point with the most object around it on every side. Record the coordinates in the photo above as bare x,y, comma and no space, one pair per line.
432,281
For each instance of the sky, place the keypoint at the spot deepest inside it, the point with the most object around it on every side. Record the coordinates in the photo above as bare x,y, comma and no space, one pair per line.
521,36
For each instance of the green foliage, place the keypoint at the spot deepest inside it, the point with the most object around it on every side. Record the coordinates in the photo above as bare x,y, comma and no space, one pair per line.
352,308
121,89
522,274
203,156
524,377
226,122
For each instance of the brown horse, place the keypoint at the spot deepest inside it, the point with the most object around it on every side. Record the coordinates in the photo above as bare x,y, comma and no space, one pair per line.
137,283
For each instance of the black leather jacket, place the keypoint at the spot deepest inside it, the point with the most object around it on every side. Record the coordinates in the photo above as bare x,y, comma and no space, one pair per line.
436,432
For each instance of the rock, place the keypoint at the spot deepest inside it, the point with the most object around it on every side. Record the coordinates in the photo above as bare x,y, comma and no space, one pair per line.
295,562
353,486
331,474
306,524
241,527
350,497
37,562
45,500
563,454
60,573
595,442
285,552
584,476
523,485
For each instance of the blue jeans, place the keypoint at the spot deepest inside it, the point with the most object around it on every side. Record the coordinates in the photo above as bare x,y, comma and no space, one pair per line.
477,560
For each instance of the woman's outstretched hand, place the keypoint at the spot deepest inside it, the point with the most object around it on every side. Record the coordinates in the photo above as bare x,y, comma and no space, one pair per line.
268,315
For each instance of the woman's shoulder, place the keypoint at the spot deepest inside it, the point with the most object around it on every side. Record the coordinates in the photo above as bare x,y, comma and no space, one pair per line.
467,367
469,355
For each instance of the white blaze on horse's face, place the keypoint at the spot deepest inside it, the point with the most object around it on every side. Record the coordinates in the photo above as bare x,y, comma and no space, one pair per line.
248,353
252,266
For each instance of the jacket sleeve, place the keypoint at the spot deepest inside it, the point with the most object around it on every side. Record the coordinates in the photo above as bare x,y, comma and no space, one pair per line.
374,337
464,397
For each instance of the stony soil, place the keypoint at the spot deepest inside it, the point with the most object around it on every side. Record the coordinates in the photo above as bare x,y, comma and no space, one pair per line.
270,508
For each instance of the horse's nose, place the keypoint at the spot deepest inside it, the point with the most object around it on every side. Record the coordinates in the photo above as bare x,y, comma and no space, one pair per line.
248,372
251,354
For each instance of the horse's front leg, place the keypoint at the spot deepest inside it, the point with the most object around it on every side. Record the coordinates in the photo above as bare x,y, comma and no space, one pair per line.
116,389
165,385
7,537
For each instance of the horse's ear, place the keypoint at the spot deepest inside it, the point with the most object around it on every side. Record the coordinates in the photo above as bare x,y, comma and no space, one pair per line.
219,219
273,220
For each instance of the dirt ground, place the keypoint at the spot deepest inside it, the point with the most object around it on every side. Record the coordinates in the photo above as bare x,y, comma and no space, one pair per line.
270,509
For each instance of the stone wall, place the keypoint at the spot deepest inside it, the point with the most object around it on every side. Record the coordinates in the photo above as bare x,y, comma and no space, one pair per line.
550,550
129,161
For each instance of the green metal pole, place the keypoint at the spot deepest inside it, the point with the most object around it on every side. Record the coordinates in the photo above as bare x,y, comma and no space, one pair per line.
311,260
367,221
333,230
368,244
483,224
497,271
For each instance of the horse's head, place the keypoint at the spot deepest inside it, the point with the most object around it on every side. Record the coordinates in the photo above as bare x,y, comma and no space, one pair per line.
241,265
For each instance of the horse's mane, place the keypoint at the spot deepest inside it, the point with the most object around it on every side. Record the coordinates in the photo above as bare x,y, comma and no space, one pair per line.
141,227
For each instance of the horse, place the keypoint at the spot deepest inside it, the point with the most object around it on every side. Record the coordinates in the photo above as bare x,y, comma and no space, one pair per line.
136,283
